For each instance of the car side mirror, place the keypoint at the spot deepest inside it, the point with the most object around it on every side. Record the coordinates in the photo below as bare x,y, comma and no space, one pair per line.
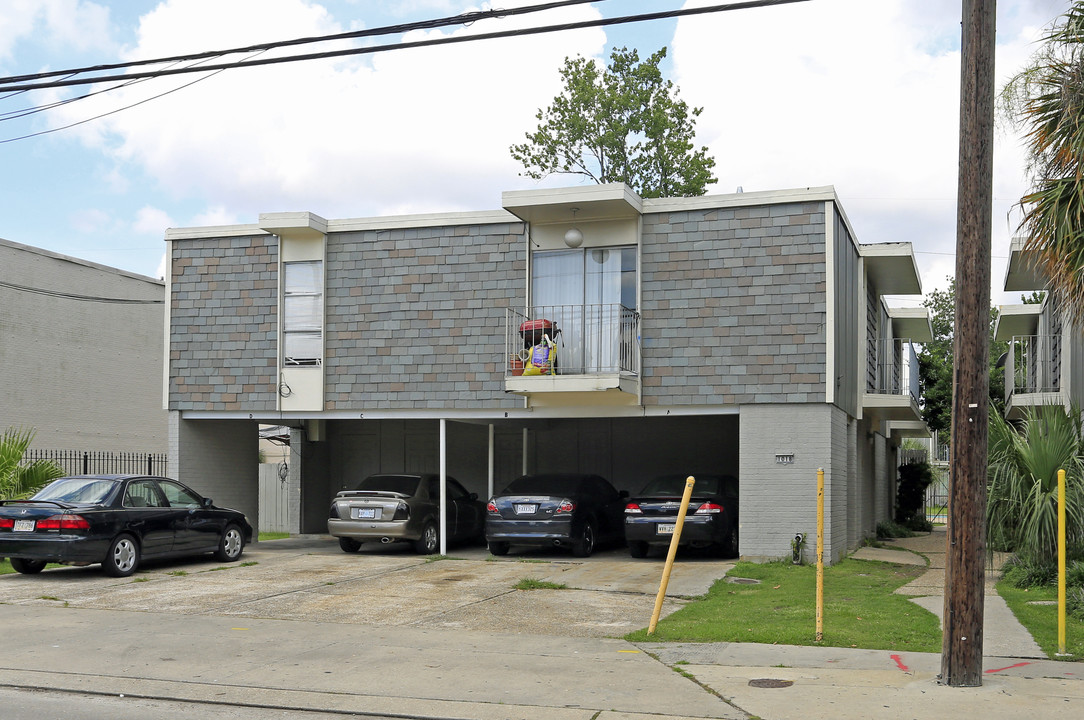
207,502
472,496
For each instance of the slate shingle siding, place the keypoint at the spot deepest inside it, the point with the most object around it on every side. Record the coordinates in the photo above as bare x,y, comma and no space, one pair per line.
223,324
415,317
733,305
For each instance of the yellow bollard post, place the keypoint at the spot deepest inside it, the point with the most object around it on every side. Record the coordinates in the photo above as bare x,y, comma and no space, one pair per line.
674,540
820,554
1061,562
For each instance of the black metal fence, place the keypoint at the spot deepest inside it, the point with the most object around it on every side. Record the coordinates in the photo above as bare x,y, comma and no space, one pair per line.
79,462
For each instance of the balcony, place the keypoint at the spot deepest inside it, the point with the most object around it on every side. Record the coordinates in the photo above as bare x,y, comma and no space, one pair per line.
1033,373
573,349
892,391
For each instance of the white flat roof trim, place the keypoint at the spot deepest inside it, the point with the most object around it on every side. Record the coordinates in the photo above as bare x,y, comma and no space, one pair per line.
494,217
742,199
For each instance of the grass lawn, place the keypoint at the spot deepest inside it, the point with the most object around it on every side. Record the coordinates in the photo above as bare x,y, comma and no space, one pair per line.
273,536
860,609
5,567
1042,620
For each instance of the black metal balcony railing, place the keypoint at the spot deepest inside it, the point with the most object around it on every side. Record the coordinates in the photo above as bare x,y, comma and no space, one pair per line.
1033,365
894,368
585,340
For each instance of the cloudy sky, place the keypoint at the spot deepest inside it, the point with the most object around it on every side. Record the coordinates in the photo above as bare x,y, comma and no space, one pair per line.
859,94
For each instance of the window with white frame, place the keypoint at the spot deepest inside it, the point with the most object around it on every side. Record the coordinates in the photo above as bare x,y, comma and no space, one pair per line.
303,313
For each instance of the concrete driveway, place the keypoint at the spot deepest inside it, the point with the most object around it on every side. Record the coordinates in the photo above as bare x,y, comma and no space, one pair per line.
310,578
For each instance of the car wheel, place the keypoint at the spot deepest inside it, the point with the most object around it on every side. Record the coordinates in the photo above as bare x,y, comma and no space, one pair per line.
231,545
349,544
122,558
637,548
497,547
584,545
27,567
429,541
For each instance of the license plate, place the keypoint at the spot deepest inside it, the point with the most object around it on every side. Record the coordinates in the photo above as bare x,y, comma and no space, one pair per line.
664,529
365,514
526,509
24,526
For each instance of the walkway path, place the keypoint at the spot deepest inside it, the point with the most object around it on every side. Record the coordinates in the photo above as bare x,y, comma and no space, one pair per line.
1003,635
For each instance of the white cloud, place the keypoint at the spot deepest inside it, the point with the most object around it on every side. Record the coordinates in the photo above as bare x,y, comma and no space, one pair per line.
856,94
151,221
56,24
91,221
410,130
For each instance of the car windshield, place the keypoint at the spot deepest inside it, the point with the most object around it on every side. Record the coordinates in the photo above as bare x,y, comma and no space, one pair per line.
544,485
675,485
403,484
77,490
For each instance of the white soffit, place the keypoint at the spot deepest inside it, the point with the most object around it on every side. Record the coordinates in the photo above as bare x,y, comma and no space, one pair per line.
612,201
300,225
1017,320
912,323
891,268
1020,275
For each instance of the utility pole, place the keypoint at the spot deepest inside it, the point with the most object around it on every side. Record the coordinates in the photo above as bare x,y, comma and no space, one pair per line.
965,572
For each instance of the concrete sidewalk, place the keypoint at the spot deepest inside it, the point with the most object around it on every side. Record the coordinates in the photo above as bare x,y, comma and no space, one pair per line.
213,640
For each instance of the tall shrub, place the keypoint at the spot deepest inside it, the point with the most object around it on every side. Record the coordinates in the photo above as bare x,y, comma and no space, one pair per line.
1022,490
19,479
915,477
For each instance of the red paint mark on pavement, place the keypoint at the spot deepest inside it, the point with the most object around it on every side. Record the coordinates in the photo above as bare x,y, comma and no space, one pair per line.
899,662
1010,667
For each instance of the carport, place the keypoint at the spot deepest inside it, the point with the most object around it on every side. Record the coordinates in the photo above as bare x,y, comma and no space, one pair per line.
485,453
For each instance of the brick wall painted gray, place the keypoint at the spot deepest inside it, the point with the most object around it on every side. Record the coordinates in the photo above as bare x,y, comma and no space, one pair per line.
224,324
777,500
86,375
415,318
218,459
733,305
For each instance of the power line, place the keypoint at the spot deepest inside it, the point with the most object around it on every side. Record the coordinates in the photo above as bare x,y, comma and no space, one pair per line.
523,32
467,18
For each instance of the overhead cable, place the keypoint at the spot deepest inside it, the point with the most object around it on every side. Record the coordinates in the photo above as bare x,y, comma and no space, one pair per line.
522,32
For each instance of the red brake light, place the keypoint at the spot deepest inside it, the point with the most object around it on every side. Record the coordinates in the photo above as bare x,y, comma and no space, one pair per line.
633,509
63,522
566,506
491,508
709,508
6,523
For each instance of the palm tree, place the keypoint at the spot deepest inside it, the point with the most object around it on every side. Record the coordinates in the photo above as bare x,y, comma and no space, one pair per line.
1047,99
19,479
1022,493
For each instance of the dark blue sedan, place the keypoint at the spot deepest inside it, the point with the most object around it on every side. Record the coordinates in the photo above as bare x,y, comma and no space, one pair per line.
118,521
561,510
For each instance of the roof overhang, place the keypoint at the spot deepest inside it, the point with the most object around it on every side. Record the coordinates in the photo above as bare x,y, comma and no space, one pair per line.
613,201
1017,320
912,323
891,268
1021,275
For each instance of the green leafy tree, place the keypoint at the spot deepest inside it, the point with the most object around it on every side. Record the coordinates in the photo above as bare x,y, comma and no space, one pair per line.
17,478
936,363
623,123
1046,99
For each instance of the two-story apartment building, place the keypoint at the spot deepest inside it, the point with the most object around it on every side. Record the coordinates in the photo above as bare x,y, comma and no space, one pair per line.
1044,365
742,334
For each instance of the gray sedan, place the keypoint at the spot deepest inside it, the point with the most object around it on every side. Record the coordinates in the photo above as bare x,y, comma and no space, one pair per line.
404,508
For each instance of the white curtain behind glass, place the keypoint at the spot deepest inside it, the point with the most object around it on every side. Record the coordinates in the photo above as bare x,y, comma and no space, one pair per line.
303,312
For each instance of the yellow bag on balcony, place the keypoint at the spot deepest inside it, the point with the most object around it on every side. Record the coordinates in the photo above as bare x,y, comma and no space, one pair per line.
543,358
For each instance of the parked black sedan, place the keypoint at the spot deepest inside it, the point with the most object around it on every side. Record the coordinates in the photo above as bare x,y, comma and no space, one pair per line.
118,521
711,520
569,510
